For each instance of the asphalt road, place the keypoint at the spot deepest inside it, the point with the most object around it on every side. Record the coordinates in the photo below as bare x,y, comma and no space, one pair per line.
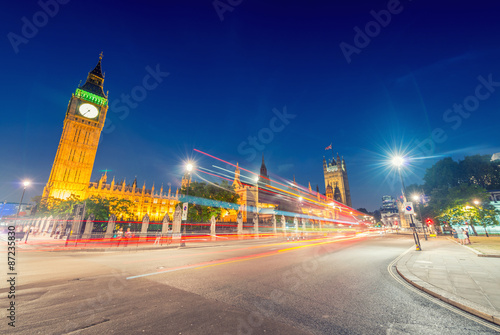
324,286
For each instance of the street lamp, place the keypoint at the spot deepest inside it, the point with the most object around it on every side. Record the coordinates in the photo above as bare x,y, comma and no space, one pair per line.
26,183
255,218
417,198
256,197
189,168
399,161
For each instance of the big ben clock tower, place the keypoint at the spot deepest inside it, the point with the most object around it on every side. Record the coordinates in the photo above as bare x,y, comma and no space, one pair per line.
77,148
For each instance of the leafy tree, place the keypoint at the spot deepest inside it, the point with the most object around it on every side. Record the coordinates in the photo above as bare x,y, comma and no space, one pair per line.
454,205
54,206
100,207
121,207
36,199
363,210
202,208
479,170
442,174
452,186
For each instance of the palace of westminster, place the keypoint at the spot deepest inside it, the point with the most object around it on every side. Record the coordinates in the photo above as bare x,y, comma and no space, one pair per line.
74,161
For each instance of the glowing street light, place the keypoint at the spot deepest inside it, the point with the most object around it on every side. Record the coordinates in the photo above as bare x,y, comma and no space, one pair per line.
26,183
189,167
399,161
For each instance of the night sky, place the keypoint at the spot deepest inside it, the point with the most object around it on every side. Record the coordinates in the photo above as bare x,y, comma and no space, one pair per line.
227,79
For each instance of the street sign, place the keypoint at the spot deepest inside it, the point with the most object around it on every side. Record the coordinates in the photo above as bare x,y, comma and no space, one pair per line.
184,211
409,208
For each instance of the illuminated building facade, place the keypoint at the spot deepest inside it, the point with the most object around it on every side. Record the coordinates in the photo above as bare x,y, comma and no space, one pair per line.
74,161
269,199
336,182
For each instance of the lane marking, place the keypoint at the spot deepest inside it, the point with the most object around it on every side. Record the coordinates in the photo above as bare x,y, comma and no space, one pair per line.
220,251
236,259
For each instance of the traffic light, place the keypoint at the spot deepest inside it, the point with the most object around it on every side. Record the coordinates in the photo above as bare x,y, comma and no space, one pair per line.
429,222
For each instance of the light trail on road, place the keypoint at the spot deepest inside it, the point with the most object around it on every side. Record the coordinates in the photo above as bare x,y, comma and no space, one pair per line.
242,258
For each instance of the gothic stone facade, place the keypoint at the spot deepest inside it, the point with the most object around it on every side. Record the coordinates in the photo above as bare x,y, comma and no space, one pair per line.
336,182
74,161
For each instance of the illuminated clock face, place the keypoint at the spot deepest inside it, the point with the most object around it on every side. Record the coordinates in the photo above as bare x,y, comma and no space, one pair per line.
89,111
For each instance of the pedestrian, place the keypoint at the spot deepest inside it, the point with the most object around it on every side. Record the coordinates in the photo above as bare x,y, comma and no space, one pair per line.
169,236
455,235
128,236
461,236
158,238
119,236
466,236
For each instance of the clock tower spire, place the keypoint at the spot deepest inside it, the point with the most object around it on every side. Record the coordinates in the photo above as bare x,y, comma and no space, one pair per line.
83,123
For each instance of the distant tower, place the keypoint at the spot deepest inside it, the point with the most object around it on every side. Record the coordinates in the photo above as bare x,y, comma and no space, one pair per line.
237,182
82,128
336,182
264,180
186,180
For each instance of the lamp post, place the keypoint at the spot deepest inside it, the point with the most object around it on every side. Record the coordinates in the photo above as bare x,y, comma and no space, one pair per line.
255,218
189,168
25,184
399,161
417,198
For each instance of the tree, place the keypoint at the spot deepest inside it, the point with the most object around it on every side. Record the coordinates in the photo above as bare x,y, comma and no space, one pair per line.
454,205
121,207
36,199
363,210
100,207
207,200
442,174
54,206
479,170
453,186
487,215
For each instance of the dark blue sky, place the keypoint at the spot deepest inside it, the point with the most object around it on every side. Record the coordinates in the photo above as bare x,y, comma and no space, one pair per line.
226,77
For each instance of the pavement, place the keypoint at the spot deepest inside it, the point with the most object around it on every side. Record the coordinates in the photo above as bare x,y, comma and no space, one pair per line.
456,274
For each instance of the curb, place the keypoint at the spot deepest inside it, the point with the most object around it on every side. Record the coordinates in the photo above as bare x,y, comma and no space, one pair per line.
471,307
477,252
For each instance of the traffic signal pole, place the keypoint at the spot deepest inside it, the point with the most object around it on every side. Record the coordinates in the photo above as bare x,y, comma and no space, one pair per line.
424,225
412,225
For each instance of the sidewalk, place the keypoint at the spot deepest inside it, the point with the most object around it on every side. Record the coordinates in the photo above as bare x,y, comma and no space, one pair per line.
456,275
